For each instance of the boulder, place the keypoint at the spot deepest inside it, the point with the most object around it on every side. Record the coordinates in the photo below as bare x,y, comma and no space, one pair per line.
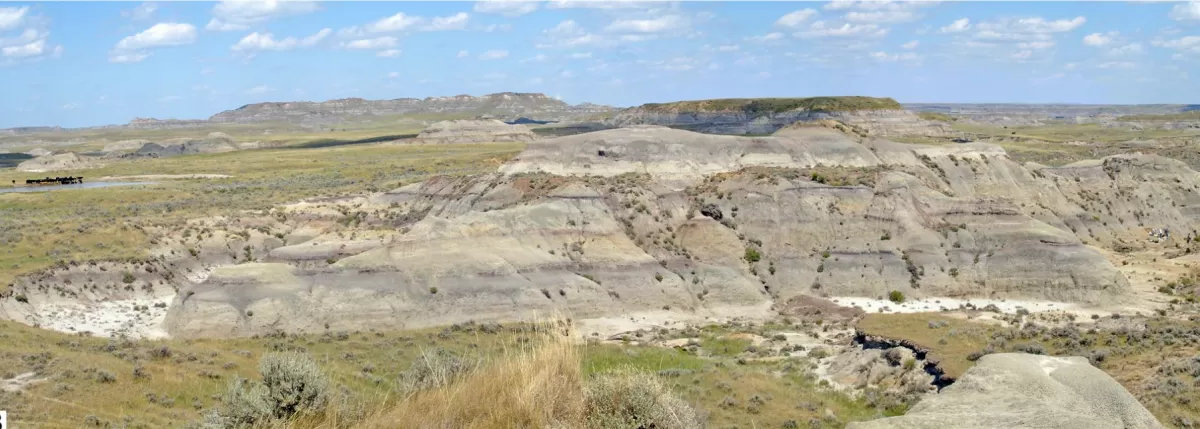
1019,391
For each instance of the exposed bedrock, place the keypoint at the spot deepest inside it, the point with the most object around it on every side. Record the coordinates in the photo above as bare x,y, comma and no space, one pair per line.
649,218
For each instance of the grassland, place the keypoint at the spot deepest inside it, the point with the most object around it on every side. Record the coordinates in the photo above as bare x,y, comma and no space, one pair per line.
84,380
1154,359
776,105
1191,115
39,229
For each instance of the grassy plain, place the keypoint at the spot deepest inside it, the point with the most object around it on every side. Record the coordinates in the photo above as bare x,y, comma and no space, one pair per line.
165,383
39,229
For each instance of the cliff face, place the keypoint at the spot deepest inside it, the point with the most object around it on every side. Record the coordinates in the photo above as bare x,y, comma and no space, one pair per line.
501,104
882,117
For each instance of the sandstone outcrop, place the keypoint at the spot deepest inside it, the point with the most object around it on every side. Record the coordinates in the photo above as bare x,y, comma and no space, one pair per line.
1014,390
475,131
213,143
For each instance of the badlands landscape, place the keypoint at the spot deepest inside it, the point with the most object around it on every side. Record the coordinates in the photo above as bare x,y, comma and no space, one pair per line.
510,260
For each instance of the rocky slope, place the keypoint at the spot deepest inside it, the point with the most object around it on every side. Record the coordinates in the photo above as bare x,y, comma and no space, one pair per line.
616,221
475,131
1014,390
505,104
880,116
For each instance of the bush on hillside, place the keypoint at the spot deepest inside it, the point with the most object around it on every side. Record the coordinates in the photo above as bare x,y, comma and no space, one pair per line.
433,369
292,384
630,399
896,296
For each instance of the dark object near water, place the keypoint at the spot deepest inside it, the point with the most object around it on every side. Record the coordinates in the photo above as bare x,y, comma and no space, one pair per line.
55,181
712,211
524,121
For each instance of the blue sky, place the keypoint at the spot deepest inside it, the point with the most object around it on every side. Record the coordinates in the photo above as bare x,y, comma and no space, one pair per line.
91,63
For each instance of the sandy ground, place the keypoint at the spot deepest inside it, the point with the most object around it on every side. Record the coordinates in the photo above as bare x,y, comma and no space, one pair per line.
604,327
872,305
165,177
108,318
19,382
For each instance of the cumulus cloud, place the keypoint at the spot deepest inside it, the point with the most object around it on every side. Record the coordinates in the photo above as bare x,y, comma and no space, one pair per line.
164,34
403,22
375,43
509,8
820,29
1129,49
795,19
494,54
1121,65
904,56
1099,39
1189,11
12,17
388,53
266,42
457,21
911,45
32,49
766,37
657,25
464,53
236,15
393,75
958,26
1186,44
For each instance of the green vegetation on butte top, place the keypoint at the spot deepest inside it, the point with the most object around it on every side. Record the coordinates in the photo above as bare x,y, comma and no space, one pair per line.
776,105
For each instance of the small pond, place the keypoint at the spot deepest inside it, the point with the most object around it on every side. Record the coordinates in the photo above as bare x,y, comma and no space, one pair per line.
84,185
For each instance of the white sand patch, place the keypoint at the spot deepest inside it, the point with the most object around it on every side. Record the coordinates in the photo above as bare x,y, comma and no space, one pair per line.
872,305
107,318
19,382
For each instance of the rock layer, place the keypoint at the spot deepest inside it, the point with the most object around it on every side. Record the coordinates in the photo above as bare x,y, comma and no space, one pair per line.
475,131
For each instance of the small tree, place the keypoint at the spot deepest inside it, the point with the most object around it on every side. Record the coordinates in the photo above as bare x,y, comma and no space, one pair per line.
752,255
896,296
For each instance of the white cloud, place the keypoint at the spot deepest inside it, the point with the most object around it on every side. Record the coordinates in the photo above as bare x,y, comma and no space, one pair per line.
580,55
457,21
566,73
134,48
388,53
821,29
266,42
464,54
794,19
883,16
911,45
397,22
728,48
904,56
534,59
235,15
169,98
509,8
494,54
393,75
142,12
1027,26
1129,49
1189,11
958,26
1123,65
766,37
12,17
376,43
1070,66
160,35
31,49
1098,39
591,4
69,106
1187,44
492,28
258,90
657,25
1022,55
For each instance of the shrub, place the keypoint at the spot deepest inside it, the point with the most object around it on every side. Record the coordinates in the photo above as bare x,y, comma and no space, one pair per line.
104,376
127,278
1031,348
294,383
630,399
896,296
433,290
433,369
752,255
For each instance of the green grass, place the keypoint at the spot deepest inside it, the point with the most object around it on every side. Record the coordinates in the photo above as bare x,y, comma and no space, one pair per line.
600,358
41,229
934,116
776,105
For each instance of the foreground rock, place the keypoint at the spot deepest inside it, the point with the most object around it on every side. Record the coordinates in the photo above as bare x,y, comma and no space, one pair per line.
475,131
1014,390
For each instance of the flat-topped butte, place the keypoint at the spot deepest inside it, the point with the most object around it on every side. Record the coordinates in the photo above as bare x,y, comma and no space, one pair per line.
777,105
